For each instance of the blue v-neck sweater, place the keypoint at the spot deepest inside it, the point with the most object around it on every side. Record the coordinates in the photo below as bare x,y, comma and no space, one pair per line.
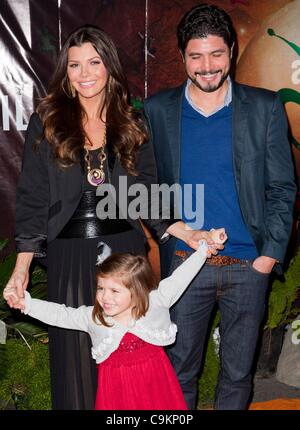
206,158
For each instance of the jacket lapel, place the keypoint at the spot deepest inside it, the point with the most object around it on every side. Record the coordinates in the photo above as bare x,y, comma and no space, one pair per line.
239,128
173,116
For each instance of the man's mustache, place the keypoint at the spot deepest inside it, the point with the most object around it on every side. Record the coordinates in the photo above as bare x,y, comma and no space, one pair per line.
210,72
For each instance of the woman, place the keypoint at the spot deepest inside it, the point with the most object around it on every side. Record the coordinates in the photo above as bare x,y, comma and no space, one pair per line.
85,133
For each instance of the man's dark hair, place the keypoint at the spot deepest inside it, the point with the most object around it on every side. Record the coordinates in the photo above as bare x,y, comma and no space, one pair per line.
204,20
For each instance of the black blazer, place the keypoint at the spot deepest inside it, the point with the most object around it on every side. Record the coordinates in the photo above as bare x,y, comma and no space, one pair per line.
48,195
263,168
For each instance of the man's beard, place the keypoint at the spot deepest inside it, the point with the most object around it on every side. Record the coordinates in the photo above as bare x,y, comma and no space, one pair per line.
209,87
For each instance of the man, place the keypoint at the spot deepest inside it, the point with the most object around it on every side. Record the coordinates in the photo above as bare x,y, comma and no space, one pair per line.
233,139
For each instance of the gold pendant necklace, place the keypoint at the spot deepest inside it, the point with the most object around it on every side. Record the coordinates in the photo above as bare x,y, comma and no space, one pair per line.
96,176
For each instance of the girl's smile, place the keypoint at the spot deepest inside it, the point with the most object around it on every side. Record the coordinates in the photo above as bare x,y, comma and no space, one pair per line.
115,299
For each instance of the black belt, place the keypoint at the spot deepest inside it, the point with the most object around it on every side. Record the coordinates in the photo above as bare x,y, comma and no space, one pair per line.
93,228
85,223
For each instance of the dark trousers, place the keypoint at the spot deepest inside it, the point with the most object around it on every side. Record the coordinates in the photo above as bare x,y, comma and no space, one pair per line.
239,290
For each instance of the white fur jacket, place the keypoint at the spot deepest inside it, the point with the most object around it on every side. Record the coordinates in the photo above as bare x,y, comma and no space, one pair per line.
155,327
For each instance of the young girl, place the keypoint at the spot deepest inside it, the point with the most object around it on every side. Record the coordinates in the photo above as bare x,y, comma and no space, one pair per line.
129,325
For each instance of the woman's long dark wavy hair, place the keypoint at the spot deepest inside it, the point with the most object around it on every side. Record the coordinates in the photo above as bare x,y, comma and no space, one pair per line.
136,274
62,116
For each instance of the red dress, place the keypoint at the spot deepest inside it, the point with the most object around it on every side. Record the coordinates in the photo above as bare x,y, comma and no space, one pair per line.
138,376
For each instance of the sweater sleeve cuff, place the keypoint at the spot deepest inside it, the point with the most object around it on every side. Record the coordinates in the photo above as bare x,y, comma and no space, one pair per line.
27,303
36,244
270,251
164,236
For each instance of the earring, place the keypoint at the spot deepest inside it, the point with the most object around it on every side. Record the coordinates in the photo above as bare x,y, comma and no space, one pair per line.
71,92
109,84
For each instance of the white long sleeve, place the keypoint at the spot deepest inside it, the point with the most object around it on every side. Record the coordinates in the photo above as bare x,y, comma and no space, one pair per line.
171,288
58,315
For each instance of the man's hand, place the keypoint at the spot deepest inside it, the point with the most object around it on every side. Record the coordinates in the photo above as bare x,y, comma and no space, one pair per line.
264,264
214,239
218,235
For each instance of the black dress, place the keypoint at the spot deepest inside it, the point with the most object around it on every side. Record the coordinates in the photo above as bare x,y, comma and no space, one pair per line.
71,280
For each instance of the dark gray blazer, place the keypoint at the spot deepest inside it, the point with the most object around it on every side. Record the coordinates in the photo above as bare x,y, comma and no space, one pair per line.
48,195
263,168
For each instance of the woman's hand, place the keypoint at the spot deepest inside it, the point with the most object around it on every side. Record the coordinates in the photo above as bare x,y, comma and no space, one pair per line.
14,290
18,282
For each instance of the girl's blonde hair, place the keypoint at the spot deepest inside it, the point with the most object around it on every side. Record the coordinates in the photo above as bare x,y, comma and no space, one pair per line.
136,274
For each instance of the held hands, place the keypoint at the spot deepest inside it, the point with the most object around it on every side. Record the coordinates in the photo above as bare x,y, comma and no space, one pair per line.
18,303
13,293
218,235
214,238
